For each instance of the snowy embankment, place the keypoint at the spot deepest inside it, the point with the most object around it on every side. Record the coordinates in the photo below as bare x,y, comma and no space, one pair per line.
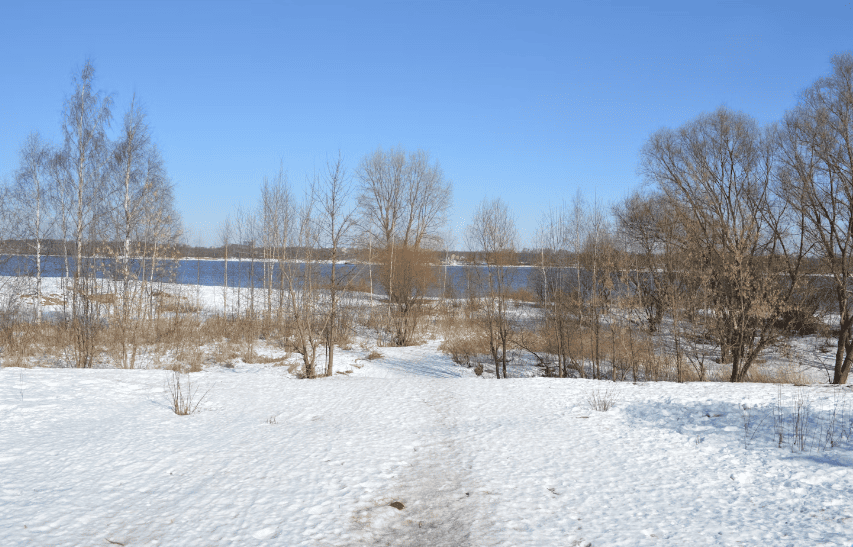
96,457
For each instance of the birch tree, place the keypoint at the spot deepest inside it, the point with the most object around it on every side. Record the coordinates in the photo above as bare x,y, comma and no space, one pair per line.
85,119
31,186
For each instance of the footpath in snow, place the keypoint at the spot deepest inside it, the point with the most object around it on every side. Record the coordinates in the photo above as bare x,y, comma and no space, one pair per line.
409,449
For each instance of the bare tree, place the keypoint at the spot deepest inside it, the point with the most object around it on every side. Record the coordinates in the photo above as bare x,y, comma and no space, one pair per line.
404,201
160,227
555,283
718,170
11,287
30,193
242,225
448,239
492,232
225,234
86,117
575,245
132,180
817,181
130,155
303,280
336,220
597,261
641,219
278,218
58,193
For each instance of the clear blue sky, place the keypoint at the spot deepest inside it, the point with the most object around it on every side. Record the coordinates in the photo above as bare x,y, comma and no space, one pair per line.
527,101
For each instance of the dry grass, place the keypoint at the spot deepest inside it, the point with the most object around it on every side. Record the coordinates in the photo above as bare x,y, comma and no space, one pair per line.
294,368
622,352
785,373
102,298
48,299
194,360
176,304
617,352
373,355
26,344
264,360
165,341
461,337
465,347
523,294
176,336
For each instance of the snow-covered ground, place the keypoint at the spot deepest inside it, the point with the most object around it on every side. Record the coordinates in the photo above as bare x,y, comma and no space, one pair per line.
97,457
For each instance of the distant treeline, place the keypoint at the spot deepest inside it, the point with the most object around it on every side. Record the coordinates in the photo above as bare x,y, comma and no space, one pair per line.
58,247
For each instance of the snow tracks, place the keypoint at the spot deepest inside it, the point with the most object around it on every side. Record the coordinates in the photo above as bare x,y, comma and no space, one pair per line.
430,504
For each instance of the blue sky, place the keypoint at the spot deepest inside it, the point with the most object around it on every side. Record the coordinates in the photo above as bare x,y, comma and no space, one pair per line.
526,101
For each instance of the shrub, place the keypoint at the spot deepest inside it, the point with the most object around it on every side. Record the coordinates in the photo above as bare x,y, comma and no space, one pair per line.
182,394
602,400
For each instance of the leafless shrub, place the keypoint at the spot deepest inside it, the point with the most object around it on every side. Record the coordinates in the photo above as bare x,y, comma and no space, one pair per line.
626,352
182,393
346,322
376,319
407,275
750,427
464,347
800,426
602,400
838,425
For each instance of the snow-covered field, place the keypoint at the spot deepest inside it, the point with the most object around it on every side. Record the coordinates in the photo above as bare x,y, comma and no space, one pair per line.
97,457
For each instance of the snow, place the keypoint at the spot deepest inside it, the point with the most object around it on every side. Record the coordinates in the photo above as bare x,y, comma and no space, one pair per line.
97,457
94,457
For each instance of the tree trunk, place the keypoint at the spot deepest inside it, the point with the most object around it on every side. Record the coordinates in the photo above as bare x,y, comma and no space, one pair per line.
332,320
843,355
